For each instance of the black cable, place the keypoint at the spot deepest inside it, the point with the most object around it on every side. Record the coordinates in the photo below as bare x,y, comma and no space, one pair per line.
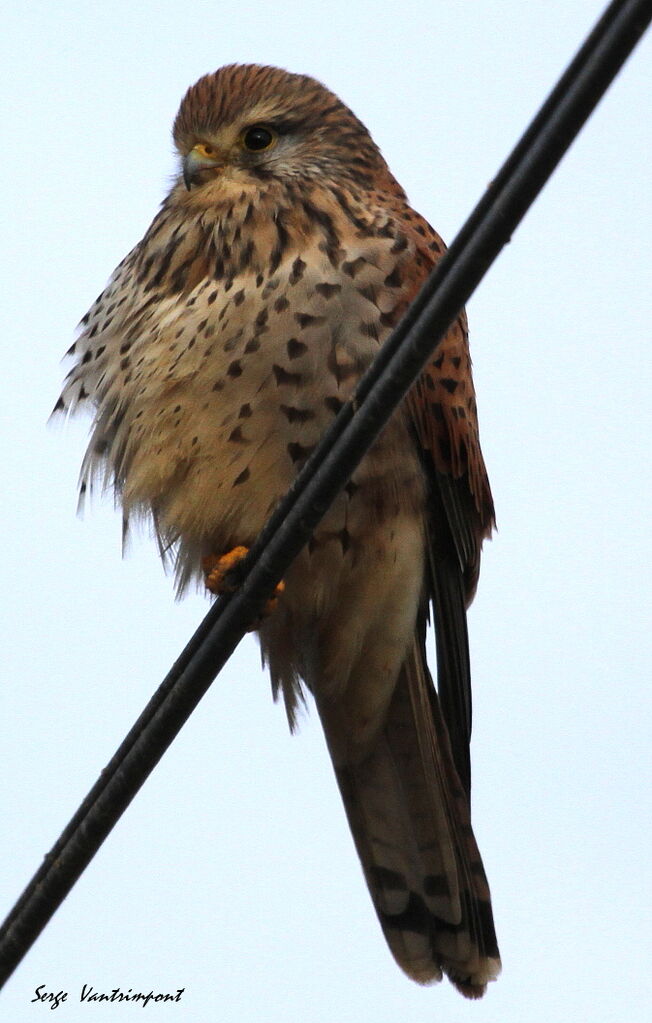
455,278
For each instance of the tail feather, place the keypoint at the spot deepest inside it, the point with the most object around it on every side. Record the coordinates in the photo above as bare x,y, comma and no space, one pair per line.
409,816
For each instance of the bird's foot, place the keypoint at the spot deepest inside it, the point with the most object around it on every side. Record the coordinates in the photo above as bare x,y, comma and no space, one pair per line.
218,568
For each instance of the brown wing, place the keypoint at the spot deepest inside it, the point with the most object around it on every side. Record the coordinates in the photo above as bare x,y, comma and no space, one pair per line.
461,512
443,407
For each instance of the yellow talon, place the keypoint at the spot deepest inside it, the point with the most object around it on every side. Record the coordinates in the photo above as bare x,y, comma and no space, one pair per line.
216,571
271,603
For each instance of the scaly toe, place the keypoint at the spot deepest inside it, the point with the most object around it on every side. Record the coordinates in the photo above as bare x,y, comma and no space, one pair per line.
271,604
216,569
269,607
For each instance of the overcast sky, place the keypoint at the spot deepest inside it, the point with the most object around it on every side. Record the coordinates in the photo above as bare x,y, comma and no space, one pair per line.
233,874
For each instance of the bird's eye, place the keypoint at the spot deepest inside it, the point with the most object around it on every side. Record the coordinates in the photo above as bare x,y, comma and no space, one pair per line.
257,138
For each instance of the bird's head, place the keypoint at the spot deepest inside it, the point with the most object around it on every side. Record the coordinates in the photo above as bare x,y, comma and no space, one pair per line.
248,124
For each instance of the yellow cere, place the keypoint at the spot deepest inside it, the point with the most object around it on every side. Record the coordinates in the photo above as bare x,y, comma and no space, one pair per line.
204,150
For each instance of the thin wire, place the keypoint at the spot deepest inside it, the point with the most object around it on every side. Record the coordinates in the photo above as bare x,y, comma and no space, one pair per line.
399,363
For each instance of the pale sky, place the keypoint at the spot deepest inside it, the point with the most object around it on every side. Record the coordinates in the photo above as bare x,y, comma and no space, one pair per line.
233,874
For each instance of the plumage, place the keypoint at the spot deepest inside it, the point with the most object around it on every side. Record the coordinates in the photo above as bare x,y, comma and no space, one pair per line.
219,352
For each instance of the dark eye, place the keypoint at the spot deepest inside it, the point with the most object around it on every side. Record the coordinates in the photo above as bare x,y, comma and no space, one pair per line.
257,138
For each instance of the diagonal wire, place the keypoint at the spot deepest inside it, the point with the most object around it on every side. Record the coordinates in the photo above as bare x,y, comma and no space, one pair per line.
397,366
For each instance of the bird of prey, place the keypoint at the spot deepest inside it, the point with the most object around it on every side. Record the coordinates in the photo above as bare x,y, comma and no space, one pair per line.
221,349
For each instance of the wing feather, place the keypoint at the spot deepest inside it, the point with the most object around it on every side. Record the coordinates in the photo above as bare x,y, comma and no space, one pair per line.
444,417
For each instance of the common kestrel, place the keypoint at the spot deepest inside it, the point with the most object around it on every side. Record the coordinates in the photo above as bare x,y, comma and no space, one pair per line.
222,348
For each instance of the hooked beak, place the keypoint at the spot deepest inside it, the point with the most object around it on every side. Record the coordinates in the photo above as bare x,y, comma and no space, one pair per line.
196,162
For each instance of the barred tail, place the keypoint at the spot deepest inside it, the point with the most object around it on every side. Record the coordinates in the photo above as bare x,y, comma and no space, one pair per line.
410,820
